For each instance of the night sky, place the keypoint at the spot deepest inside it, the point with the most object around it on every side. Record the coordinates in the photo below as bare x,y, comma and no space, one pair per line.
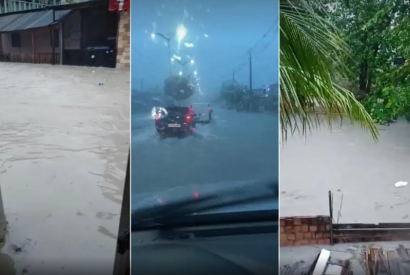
222,32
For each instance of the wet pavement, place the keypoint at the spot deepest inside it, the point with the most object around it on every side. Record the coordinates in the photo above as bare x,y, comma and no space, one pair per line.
63,152
359,171
233,147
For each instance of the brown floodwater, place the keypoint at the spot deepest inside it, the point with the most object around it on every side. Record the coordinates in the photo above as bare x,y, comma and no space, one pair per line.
64,142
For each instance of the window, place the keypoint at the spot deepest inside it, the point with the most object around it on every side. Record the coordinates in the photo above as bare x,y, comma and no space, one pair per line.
15,40
54,34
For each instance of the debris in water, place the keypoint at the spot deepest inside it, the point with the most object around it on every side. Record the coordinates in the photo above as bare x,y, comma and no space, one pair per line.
400,184
17,249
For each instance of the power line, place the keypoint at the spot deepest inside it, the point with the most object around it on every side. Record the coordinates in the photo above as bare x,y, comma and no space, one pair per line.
271,28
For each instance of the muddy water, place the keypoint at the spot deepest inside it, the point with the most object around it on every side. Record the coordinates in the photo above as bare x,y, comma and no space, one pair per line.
359,171
64,141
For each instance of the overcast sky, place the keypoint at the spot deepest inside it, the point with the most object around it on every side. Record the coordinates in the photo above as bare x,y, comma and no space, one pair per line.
221,32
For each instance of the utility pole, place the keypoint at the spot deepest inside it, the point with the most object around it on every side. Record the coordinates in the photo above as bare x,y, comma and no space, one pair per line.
142,84
250,73
169,56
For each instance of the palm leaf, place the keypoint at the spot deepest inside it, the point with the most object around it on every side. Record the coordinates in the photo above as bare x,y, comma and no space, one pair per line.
311,55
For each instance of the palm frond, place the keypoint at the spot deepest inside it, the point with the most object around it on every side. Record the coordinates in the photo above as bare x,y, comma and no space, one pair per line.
311,50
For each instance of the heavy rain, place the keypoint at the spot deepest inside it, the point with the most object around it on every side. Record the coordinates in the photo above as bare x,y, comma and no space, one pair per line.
230,65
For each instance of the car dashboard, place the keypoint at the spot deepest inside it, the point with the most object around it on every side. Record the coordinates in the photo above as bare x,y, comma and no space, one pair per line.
240,249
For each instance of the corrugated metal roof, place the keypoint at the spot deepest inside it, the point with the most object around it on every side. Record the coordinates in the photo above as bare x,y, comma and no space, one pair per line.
30,20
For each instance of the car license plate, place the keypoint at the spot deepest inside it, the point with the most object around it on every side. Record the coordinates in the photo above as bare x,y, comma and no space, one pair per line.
174,125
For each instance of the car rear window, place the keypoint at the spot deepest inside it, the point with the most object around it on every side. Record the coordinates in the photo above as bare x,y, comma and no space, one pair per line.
179,110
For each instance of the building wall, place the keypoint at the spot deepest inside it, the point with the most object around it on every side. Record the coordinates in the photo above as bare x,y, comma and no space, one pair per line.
72,31
42,39
123,41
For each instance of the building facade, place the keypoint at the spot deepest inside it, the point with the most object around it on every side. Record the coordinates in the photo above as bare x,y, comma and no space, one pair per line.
124,41
82,34
124,32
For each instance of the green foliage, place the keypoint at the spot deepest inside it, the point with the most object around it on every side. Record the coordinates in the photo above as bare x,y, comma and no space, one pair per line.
312,56
178,88
378,33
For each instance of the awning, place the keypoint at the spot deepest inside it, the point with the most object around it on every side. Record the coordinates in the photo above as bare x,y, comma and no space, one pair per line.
119,5
30,20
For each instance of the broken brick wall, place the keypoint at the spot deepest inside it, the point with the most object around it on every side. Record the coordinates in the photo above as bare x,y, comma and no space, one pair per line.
311,230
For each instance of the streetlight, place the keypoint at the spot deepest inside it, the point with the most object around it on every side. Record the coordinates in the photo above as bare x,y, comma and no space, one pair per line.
186,62
180,73
181,33
168,39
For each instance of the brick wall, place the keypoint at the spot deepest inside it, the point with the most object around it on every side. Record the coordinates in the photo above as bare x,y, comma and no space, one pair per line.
123,42
305,230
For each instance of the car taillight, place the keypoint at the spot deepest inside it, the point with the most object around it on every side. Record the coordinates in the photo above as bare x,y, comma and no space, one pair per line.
156,117
188,117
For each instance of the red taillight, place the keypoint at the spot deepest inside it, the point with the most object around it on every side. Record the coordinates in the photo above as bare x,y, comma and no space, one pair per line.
156,117
209,108
188,117
196,195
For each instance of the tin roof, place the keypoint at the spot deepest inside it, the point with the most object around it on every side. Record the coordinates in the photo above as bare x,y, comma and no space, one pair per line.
30,20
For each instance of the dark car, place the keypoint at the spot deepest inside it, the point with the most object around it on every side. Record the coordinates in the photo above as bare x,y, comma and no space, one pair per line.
174,121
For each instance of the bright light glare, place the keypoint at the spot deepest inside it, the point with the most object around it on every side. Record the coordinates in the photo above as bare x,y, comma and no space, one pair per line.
181,32
172,59
195,72
152,35
189,45
180,73
177,57
192,61
158,111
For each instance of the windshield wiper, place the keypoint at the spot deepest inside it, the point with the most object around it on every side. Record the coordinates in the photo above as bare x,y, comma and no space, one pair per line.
168,214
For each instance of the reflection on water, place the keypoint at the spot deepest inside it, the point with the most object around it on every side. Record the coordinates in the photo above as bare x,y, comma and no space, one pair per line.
63,151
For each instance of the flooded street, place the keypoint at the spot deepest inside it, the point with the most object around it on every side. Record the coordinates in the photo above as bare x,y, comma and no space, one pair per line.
349,163
233,147
64,141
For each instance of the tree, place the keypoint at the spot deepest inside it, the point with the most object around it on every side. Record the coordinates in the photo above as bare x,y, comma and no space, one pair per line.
379,35
178,88
312,54
233,93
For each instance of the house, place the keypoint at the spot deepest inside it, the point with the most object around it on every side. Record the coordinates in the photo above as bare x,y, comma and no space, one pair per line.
82,34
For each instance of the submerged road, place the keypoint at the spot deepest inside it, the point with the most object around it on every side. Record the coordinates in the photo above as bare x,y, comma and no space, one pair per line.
233,147
63,153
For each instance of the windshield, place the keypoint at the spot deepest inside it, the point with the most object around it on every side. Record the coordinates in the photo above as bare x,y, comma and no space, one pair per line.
218,60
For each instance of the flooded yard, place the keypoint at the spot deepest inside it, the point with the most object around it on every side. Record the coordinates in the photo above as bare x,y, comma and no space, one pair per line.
361,172
64,141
